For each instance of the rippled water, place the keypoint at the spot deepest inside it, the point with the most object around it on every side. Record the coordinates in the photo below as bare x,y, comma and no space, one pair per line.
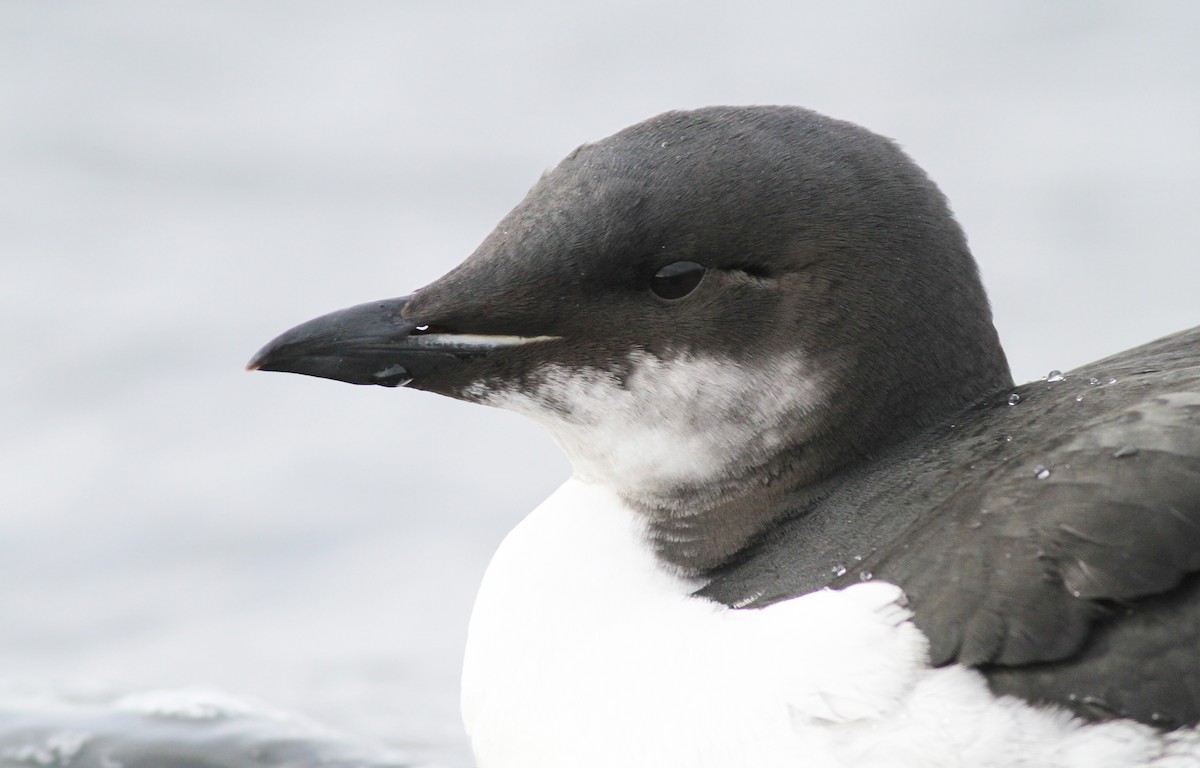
179,181
177,728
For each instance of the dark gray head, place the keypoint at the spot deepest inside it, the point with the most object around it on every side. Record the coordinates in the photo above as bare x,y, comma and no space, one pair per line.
707,309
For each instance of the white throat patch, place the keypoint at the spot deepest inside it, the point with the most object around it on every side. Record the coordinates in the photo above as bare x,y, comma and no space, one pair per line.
668,423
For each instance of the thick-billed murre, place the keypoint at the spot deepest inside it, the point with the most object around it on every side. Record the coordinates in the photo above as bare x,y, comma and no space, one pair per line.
812,521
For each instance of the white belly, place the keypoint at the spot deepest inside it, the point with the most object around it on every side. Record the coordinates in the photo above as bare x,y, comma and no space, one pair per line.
583,652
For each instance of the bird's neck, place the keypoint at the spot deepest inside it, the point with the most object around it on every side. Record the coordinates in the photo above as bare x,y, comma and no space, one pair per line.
714,454
699,528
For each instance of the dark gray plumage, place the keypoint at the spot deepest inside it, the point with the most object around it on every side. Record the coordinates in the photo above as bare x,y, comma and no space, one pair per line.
1052,542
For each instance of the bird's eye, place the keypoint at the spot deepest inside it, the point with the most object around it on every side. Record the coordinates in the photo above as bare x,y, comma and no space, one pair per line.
677,280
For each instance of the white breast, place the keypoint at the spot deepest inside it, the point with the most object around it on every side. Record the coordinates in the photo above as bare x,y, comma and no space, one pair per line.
584,652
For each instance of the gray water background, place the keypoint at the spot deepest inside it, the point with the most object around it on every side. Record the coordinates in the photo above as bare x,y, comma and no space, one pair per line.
182,180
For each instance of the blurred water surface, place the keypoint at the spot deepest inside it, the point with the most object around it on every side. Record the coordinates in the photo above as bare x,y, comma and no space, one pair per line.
181,180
